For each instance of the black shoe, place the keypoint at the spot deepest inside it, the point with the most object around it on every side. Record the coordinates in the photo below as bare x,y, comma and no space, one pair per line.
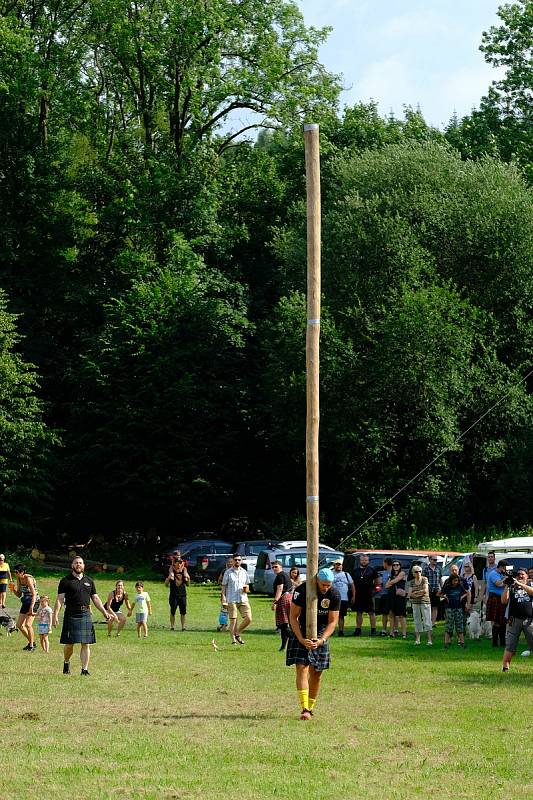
85,672
281,648
373,632
28,647
66,668
340,633
357,632
238,639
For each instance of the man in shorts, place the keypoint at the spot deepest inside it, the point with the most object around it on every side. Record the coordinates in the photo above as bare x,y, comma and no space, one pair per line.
519,595
343,583
311,656
365,578
234,596
76,590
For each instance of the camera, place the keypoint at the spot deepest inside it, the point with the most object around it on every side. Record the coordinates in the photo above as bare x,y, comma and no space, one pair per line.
508,580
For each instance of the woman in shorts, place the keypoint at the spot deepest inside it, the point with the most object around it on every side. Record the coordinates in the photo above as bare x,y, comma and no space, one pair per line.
26,589
115,600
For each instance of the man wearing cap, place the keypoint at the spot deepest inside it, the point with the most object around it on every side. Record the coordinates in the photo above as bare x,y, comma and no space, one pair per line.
311,656
77,590
343,583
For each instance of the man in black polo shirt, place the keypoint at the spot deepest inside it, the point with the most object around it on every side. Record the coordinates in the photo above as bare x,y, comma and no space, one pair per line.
365,579
311,656
77,590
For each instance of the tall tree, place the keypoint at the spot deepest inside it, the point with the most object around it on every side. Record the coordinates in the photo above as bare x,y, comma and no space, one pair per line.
25,441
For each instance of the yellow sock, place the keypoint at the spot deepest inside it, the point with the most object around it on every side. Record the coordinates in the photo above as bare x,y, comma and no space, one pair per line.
312,703
303,697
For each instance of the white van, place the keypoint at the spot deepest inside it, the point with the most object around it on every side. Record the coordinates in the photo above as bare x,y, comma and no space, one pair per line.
517,544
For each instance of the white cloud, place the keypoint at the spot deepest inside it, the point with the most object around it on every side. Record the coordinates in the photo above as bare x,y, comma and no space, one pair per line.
417,25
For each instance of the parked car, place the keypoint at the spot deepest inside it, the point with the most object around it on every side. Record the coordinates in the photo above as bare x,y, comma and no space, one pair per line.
190,550
290,554
249,551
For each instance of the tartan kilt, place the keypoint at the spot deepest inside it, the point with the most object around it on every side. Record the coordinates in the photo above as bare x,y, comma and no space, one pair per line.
78,629
319,659
282,608
495,610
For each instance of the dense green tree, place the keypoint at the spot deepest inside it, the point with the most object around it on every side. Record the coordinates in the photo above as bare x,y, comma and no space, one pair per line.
157,429
503,124
25,441
427,279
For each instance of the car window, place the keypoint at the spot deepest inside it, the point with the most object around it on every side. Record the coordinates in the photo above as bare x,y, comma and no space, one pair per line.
292,559
262,560
222,548
193,552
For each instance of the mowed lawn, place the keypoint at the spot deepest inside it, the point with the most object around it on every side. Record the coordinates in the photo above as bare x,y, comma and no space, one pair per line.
169,717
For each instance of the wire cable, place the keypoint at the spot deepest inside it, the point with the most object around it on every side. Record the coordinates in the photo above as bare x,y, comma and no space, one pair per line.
436,458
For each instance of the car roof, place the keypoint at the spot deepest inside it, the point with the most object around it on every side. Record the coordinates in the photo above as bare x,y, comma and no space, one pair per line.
362,551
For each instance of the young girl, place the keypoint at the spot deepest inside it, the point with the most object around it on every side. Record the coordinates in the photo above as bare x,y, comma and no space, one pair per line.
44,623
455,596
143,609
223,618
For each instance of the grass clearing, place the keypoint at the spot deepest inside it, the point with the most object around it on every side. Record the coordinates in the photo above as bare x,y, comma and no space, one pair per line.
168,717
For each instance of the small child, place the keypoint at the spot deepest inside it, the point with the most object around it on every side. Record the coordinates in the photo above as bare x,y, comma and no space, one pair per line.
44,624
223,618
143,609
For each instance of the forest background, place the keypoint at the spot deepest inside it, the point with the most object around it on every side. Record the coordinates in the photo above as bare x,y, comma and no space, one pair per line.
153,269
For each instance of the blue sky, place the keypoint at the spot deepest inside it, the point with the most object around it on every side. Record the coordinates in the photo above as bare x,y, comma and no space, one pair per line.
408,52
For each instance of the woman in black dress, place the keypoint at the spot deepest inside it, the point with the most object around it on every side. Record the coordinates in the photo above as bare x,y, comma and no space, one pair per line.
398,600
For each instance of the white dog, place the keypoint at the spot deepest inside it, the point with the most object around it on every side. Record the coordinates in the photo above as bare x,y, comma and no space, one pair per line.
486,626
474,625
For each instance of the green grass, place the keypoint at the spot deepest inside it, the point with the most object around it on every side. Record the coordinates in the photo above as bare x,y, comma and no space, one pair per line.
168,717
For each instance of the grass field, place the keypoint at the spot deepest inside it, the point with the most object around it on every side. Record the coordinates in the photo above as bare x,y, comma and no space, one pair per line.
168,717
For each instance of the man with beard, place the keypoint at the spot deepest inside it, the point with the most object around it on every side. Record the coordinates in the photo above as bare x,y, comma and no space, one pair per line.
77,590
365,578
311,656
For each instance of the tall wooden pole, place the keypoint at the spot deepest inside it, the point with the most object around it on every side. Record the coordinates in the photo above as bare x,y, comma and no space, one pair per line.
312,171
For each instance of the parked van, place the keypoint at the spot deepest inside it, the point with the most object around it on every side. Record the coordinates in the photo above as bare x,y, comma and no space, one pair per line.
290,554
513,545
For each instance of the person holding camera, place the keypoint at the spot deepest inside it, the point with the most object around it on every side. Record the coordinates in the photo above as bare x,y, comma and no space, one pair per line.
518,597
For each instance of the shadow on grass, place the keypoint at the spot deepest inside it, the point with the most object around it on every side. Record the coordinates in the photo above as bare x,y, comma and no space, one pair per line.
166,718
402,651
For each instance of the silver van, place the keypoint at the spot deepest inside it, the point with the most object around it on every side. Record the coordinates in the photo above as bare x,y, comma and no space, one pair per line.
289,554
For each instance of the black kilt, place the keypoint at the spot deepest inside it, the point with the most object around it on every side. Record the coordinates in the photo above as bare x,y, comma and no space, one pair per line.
298,654
78,628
